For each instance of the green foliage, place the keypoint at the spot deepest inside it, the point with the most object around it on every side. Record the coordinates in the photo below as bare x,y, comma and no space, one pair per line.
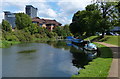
22,20
23,36
91,7
62,31
85,22
67,30
33,28
6,26
9,36
96,18
8,43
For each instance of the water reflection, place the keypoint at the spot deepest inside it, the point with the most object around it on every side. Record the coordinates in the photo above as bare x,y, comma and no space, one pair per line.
51,59
81,57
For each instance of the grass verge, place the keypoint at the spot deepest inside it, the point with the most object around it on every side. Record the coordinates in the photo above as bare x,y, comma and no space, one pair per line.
115,40
100,66
4,44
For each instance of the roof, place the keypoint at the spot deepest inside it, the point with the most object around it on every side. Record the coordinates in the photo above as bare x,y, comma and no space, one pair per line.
46,21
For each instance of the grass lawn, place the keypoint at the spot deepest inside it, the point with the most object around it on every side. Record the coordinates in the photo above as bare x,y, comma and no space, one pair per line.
100,66
4,44
115,40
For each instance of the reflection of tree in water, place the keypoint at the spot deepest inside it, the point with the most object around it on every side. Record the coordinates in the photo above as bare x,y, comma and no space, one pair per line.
58,44
80,59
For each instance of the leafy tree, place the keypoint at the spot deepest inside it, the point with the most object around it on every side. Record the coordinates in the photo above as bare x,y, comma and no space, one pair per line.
109,14
92,7
6,26
22,20
118,6
67,30
97,17
33,28
85,22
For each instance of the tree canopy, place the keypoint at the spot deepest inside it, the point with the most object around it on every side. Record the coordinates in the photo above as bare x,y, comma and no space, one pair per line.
22,20
6,26
98,17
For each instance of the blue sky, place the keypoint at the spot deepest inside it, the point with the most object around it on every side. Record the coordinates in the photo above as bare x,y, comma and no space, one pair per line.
60,10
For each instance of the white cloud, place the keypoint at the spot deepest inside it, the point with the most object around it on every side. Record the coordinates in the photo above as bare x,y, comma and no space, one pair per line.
50,13
67,8
72,6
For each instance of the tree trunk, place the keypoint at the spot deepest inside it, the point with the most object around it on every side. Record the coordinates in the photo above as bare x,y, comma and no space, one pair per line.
102,35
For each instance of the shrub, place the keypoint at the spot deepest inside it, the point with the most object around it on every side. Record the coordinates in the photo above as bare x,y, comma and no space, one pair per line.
23,36
9,36
6,26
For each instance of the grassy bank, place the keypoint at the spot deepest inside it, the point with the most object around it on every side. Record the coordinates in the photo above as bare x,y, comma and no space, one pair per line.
100,66
4,44
115,40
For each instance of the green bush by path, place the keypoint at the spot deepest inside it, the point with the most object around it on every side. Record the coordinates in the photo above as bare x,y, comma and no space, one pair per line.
99,67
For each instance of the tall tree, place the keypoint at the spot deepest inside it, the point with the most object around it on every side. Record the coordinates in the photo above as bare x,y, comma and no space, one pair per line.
6,26
118,6
22,20
86,21
109,14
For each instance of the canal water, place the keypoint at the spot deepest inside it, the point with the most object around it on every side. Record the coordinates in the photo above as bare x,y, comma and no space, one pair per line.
50,59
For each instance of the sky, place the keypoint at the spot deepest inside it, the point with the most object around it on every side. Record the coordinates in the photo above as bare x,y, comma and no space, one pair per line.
60,10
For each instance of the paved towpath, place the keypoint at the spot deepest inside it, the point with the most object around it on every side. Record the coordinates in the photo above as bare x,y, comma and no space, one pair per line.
113,72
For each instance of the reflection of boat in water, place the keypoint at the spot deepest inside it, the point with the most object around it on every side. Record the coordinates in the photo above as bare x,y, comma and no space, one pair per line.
91,54
82,57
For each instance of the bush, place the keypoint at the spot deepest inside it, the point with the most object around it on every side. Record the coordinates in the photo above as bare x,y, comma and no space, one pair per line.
9,36
23,36
6,26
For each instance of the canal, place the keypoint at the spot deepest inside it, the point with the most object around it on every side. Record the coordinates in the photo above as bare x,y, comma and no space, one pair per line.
50,59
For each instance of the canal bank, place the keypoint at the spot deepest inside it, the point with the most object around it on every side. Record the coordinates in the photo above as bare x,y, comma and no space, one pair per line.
97,68
113,72
100,66
5,43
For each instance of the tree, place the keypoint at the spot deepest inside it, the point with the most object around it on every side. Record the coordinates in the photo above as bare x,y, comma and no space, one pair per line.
85,22
109,14
118,6
67,30
22,20
97,17
6,26
33,28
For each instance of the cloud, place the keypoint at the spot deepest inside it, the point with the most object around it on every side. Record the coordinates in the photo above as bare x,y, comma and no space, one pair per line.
72,6
63,15
50,13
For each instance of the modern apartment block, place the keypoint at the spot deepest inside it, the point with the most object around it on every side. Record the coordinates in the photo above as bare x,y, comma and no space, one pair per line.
31,11
10,17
